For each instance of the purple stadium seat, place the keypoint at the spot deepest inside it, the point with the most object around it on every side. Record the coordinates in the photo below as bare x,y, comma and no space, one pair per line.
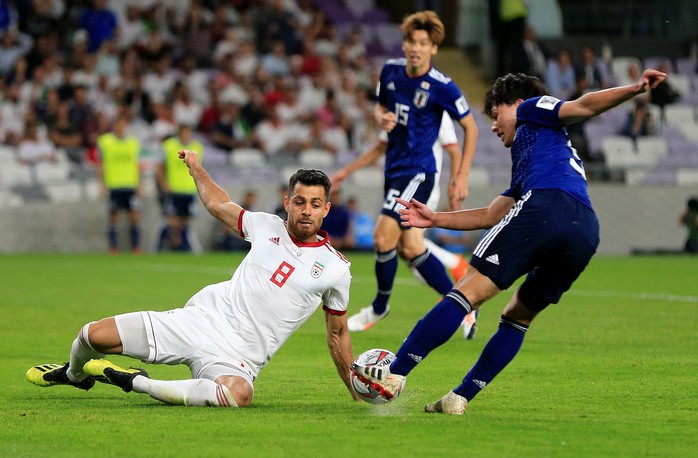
375,16
595,132
686,66
661,176
654,61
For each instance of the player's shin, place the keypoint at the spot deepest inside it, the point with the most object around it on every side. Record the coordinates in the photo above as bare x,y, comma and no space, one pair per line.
80,353
195,392
433,272
432,331
499,351
386,268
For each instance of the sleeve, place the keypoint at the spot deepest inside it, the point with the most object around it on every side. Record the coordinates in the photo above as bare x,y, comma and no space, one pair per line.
381,95
249,223
447,133
540,110
453,101
336,299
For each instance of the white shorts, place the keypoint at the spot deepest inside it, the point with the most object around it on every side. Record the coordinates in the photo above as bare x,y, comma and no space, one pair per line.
179,336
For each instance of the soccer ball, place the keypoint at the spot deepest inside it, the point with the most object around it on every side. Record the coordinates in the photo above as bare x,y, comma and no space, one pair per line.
374,357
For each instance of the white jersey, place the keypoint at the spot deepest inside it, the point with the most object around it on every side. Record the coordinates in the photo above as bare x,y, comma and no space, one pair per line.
276,288
447,136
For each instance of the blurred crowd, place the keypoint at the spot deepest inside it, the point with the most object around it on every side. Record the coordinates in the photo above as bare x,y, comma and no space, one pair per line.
268,74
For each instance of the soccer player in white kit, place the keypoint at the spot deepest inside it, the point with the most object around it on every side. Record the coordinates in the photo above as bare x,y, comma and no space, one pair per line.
227,332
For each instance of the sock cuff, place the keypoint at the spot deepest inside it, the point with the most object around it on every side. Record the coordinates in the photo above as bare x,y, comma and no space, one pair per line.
504,321
460,299
419,260
386,255
83,336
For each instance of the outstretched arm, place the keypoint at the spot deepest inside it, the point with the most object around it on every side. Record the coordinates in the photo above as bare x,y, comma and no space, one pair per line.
595,103
368,158
339,343
214,198
416,214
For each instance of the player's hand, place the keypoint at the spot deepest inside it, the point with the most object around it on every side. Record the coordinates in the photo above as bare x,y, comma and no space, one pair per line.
388,121
650,79
190,157
415,213
457,192
337,179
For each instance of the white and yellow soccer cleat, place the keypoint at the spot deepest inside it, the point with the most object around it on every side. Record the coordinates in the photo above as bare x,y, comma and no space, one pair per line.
56,374
105,371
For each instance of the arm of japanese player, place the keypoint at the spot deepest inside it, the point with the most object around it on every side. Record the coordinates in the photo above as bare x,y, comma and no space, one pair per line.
595,103
368,158
416,214
458,187
214,198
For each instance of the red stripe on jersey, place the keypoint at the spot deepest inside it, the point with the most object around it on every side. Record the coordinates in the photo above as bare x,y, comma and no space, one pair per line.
335,251
242,212
334,312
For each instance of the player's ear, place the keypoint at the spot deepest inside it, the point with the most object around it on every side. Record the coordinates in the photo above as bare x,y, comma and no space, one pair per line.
327,208
434,49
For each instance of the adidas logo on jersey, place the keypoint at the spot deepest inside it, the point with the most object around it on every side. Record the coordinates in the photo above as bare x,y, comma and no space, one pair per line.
391,86
494,259
274,240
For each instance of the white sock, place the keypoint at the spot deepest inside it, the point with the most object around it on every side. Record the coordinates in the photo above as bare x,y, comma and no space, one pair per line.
194,392
80,353
448,259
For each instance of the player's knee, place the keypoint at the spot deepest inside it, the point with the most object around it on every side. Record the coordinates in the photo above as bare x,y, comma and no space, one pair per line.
102,336
241,391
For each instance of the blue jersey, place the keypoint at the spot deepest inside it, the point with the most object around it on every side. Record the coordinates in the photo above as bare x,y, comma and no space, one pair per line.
418,104
542,155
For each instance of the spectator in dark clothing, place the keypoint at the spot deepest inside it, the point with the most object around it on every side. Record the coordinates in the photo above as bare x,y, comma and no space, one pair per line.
639,122
528,56
593,69
100,23
337,223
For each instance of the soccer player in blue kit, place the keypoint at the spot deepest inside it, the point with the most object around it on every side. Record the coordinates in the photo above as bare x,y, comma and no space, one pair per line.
412,96
543,226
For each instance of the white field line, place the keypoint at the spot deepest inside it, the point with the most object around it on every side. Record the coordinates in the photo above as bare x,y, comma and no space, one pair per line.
410,282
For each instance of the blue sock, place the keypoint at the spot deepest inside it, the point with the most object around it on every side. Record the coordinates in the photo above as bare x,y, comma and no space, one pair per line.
499,351
164,237
433,272
432,331
386,268
113,237
135,237
184,245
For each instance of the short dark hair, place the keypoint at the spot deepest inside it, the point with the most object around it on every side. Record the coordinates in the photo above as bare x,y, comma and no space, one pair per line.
693,204
511,87
310,177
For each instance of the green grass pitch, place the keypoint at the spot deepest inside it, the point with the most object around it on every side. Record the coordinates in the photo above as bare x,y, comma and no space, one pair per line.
610,371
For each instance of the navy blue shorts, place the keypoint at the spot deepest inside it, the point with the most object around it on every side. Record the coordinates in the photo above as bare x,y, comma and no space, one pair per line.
419,186
548,235
123,199
181,205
